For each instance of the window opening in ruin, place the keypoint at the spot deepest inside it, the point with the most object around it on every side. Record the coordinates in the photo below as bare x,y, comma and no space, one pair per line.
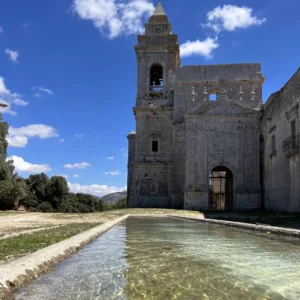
213,96
154,146
293,133
273,150
156,78
221,189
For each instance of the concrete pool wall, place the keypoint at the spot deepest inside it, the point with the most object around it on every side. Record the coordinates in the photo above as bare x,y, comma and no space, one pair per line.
21,271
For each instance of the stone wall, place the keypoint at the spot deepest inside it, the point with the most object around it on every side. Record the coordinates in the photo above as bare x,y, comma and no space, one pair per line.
239,83
282,168
152,171
230,140
130,166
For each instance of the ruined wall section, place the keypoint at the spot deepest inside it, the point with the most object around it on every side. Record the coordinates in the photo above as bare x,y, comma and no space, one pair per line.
152,175
238,83
282,163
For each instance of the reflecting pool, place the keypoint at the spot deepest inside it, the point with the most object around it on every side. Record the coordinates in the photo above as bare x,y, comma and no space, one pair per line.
158,258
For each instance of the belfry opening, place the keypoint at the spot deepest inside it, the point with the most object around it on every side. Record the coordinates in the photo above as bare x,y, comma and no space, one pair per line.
156,78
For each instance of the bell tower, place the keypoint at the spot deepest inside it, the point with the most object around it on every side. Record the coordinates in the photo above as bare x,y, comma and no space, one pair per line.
158,56
151,146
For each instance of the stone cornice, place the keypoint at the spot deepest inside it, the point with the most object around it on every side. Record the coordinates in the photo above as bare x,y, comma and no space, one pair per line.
217,82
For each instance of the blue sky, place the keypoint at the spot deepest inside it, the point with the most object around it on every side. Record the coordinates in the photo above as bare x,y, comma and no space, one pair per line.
68,73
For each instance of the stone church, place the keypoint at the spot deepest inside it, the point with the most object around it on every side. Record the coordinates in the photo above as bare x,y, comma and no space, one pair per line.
204,139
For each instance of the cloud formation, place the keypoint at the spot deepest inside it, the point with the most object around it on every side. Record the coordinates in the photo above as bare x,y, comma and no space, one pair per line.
110,158
22,166
12,55
202,48
43,90
1,30
114,18
82,165
113,173
9,98
232,17
226,18
18,137
95,189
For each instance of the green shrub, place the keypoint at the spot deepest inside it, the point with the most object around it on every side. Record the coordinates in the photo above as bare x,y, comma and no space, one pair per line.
44,207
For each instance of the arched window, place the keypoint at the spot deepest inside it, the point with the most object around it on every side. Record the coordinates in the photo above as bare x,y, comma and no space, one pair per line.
156,78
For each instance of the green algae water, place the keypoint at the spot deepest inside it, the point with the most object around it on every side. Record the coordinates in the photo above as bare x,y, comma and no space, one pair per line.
158,258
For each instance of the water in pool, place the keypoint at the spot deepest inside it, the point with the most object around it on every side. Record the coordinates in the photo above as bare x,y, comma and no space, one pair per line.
175,259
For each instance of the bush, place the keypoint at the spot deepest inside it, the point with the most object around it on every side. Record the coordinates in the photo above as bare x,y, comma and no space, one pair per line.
44,207
121,204
80,203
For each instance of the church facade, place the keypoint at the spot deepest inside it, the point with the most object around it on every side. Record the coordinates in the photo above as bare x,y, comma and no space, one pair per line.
204,139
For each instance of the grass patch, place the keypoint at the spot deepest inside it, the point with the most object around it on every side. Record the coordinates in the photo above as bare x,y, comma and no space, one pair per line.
15,247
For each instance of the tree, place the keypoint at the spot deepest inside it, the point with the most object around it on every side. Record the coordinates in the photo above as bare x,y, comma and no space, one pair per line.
56,190
12,187
37,185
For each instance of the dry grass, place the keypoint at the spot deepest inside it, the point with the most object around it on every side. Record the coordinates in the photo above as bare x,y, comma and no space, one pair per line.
11,222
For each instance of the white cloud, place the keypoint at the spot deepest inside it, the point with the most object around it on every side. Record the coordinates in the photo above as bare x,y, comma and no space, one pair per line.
78,136
17,141
12,55
202,48
42,89
110,158
63,175
22,166
34,130
115,17
61,140
76,176
95,189
18,137
9,98
1,30
37,95
113,173
82,165
231,17
19,102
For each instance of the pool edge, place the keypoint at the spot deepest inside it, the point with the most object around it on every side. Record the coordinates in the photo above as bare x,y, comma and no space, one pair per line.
268,228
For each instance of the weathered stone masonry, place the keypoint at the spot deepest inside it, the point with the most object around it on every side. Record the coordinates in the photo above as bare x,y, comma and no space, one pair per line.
203,136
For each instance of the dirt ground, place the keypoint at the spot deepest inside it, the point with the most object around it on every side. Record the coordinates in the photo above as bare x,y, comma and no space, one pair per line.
12,223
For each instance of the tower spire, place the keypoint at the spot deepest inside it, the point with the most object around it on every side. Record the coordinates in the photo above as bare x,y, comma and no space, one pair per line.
159,10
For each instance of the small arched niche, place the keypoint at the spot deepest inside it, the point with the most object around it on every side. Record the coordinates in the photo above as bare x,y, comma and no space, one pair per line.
156,78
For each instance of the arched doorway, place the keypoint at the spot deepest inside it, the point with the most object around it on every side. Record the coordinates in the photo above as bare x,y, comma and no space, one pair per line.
221,189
